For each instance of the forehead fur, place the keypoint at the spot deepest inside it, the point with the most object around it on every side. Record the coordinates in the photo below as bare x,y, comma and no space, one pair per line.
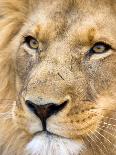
15,6
61,11
85,19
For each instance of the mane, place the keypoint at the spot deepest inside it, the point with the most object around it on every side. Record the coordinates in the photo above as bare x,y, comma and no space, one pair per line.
12,17
13,14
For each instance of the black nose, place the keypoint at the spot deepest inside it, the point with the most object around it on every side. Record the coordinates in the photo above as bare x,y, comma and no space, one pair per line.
45,111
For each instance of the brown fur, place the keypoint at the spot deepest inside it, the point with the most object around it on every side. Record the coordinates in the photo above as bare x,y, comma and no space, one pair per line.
66,29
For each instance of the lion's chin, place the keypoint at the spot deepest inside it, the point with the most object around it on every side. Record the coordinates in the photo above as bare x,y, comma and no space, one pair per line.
48,144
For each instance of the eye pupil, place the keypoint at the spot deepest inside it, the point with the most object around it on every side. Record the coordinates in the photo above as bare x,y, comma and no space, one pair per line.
99,48
33,43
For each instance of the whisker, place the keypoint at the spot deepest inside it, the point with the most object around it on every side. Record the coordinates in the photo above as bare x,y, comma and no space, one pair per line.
103,137
109,128
85,147
109,118
96,144
107,132
6,115
92,147
114,111
109,124
99,141
7,99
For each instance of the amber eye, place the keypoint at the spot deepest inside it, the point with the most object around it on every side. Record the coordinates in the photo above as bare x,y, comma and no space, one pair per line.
100,48
31,42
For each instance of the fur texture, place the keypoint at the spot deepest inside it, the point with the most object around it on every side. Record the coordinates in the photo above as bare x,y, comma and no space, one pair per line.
61,70
51,145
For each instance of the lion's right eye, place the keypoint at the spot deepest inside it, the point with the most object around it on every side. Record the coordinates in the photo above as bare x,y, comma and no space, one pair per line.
100,48
32,42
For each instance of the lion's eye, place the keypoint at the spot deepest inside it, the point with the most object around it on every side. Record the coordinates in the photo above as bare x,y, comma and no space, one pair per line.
32,42
100,48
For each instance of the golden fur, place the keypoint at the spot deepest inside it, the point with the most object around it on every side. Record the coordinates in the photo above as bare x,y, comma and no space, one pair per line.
66,30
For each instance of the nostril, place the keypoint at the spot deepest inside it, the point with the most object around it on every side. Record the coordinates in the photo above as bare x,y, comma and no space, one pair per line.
56,108
31,105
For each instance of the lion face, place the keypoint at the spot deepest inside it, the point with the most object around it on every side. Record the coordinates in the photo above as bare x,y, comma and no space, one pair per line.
65,64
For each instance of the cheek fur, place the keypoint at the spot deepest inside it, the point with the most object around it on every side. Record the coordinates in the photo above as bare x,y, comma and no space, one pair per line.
24,63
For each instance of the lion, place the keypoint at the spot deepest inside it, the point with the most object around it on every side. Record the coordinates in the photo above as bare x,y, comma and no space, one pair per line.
58,77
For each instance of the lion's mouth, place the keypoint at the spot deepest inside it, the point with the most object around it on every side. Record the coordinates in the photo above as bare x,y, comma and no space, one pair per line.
69,130
49,134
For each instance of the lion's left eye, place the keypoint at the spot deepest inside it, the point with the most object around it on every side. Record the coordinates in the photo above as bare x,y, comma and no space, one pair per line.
100,48
32,42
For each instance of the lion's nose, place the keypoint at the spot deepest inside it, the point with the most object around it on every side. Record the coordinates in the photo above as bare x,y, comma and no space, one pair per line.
45,111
